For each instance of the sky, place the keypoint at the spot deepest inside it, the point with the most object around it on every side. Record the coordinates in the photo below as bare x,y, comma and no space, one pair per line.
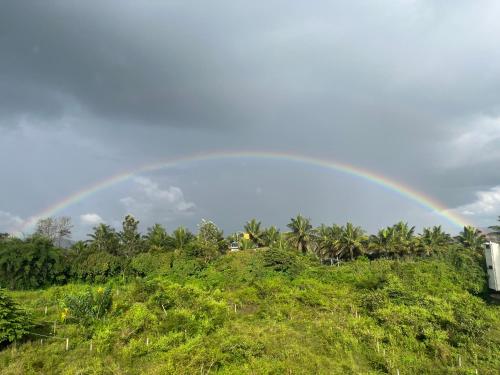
409,90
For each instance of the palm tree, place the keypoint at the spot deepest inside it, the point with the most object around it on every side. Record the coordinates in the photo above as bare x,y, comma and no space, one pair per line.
404,238
496,230
252,227
351,240
472,238
104,238
382,243
157,237
270,236
302,233
433,238
328,240
181,237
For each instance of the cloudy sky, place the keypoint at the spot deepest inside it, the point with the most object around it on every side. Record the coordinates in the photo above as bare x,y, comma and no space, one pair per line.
406,89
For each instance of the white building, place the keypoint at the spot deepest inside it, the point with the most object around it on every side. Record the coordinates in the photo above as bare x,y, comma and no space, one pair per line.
492,255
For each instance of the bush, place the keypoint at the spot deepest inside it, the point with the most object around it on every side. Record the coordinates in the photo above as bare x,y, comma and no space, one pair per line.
94,266
87,307
14,323
148,264
283,261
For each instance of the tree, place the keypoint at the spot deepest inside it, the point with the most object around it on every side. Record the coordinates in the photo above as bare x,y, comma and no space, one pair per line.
157,238
252,227
397,240
105,239
30,263
14,322
130,238
433,238
55,229
302,233
496,230
209,234
472,238
351,241
403,238
328,240
382,243
271,236
181,237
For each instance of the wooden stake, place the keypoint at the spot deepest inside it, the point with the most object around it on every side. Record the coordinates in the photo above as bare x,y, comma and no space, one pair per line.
147,341
459,361
378,347
41,341
67,344
90,345
45,310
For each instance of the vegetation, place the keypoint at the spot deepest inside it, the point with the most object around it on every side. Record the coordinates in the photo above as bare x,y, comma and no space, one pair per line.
179,303
14,323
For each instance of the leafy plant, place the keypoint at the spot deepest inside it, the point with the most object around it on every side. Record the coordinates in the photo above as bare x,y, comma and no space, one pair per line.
89,306
14,322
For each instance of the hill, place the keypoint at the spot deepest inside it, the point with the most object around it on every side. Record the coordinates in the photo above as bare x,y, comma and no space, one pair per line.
267,312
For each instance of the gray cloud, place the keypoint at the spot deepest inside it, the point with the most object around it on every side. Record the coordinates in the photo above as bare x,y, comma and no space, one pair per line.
408,89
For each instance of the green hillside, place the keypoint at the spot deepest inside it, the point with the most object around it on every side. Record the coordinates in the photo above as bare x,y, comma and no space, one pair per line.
267,312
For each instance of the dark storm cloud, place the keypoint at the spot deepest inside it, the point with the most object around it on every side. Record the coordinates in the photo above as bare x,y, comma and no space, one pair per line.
410,89
234,64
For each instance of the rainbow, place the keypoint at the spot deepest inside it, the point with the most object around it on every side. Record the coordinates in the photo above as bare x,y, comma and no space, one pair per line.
403,190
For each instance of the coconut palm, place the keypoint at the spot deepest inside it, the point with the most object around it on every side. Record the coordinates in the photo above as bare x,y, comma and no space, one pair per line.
471,238
351,241
252,227
328,240
181,237
433,238
382,243
270,236
157,237
302,233
104,238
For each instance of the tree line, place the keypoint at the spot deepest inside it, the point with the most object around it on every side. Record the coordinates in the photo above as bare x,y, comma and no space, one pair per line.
38,260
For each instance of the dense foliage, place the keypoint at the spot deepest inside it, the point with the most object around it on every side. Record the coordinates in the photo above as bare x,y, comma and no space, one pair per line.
181,304
14,323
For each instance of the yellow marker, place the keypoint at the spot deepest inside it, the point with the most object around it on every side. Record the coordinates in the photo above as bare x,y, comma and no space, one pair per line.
246,236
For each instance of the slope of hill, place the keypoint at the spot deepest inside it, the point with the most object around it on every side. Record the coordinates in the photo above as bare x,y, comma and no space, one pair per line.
268,312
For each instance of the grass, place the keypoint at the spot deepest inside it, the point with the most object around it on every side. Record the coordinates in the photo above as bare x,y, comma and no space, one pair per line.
244,314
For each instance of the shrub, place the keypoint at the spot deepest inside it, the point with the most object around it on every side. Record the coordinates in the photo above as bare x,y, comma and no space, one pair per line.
283,261
14,323
89,306
147,264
